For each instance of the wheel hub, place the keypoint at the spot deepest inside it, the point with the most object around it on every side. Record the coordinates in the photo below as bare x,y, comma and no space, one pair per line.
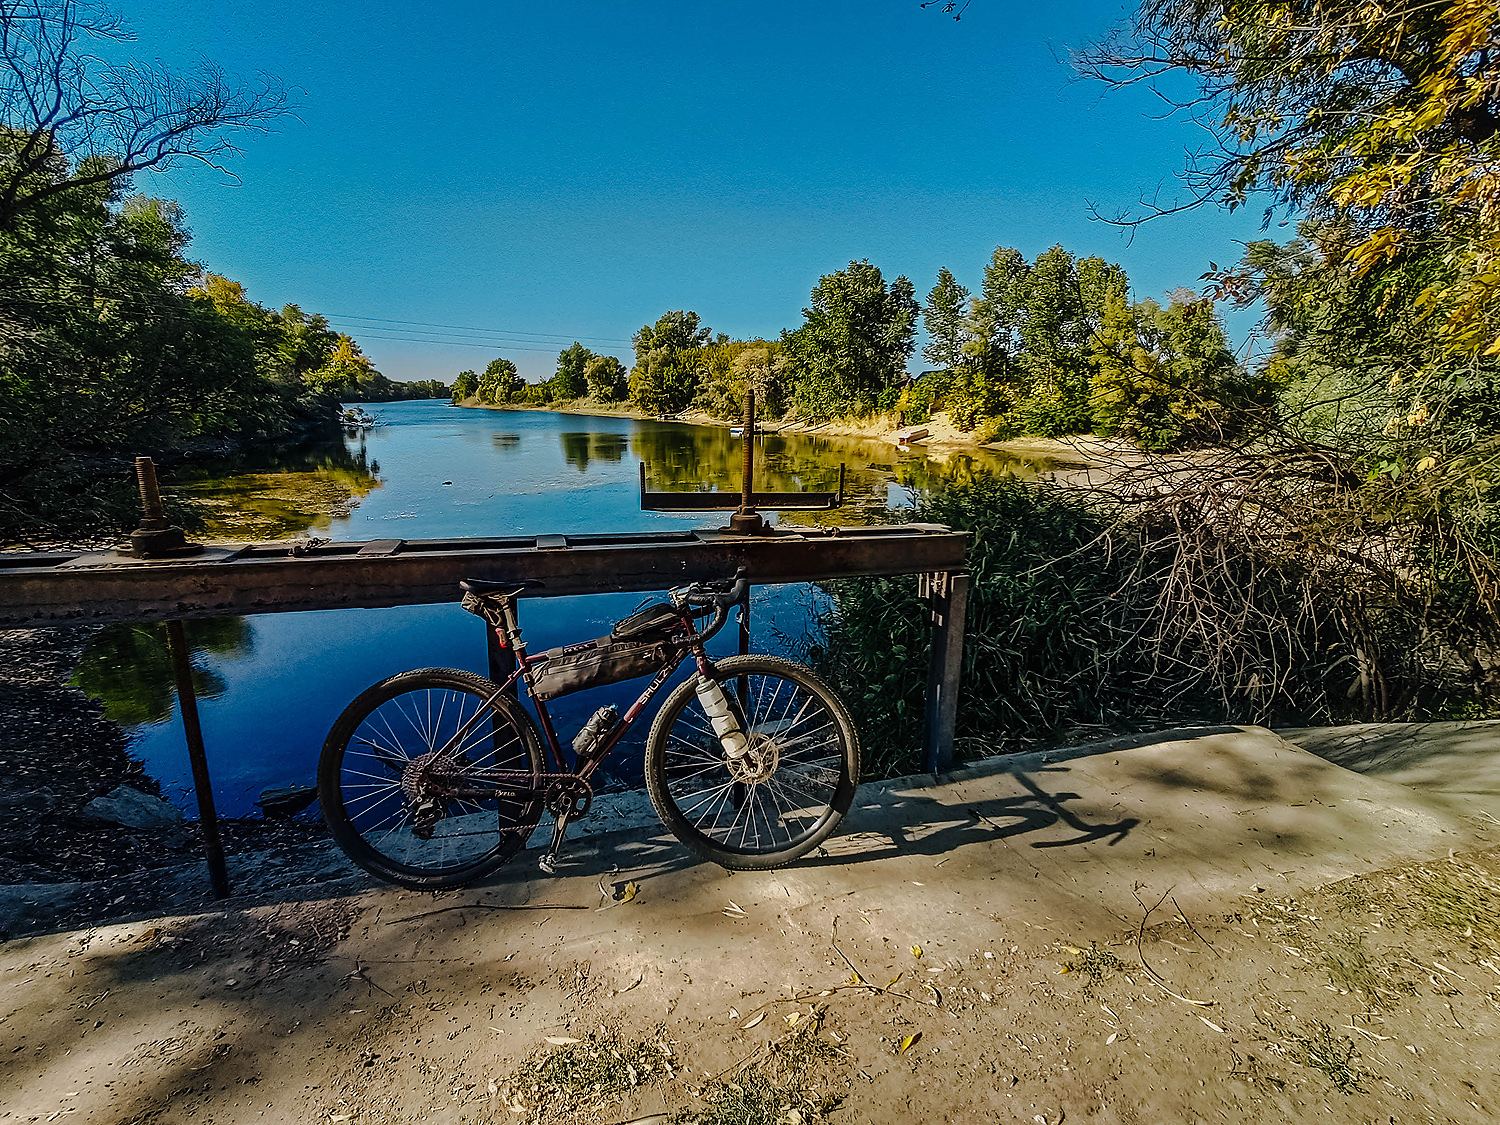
423,794
758,762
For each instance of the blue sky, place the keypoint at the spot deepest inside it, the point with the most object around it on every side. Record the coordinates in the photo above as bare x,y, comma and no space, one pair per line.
552,171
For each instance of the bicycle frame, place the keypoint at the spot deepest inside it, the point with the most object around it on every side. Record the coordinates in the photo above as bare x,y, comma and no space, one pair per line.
508,633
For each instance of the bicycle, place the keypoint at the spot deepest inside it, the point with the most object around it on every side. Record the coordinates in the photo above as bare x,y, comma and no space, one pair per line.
435,777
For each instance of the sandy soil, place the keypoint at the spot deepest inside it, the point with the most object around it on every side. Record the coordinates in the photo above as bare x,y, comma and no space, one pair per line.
1198,928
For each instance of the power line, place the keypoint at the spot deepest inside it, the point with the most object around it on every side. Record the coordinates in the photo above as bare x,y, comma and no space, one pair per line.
486,331
365,335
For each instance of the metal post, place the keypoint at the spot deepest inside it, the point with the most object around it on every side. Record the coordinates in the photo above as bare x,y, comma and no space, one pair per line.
208,817
947,595
746,481
145,479
747,520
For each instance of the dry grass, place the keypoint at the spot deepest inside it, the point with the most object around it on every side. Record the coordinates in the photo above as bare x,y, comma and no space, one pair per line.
792,1081
1461,899
579,1081
1335,1055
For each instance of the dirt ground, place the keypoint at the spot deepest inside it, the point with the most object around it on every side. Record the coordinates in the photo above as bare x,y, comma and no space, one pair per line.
1202,927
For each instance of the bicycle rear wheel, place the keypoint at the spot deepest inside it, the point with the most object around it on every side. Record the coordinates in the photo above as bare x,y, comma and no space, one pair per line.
781,800
386,812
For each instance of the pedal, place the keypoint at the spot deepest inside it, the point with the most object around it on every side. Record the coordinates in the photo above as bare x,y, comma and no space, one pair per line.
548,863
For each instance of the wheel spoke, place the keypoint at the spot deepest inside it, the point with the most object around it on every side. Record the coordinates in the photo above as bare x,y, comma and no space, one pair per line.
796,736
466,833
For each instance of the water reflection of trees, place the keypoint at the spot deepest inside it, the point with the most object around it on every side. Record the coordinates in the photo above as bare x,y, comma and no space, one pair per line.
281,491
698,458
581,448
129,667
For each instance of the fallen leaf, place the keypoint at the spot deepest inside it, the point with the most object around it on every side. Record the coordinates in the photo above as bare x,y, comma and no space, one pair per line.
753,1022
640,976
736,907
894,979
562,1040
1113,1036
792,1020
854,979
916,951
734,1013
1213,1025
631,889
910,1041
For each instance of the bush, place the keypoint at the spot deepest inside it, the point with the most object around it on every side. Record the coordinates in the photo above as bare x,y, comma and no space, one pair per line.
1083,620
1034,634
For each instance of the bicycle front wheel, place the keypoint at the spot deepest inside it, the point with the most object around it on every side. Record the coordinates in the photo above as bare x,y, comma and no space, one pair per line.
786,794
403,784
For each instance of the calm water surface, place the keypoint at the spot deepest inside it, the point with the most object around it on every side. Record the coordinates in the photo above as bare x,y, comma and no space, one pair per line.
272,685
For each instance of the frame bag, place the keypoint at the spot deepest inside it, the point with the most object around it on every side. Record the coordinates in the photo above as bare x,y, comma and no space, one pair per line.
595,663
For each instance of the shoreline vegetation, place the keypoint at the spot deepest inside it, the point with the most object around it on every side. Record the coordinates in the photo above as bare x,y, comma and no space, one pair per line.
1084,450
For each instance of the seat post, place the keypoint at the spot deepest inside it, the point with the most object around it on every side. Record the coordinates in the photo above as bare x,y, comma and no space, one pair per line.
512,625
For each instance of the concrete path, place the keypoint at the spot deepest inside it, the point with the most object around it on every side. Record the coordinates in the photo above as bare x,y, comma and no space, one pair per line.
1459,762
384,1005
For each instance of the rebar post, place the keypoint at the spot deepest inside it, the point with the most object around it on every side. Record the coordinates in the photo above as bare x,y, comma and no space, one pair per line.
155,538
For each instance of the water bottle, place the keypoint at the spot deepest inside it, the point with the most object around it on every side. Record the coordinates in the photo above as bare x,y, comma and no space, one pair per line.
716,707
596,728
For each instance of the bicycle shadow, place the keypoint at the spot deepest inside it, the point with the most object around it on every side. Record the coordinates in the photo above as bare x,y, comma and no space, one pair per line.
887,820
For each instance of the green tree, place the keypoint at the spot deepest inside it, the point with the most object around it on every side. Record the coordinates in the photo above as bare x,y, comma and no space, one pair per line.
1165,377
605,378
1062,306
465,386
854,342
666,372
571,380
946,323
345,372
729,367
500,383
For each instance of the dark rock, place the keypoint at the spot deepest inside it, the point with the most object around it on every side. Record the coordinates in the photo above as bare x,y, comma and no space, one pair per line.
134,809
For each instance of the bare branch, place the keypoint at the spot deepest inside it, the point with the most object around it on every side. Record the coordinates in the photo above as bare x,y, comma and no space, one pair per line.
70,120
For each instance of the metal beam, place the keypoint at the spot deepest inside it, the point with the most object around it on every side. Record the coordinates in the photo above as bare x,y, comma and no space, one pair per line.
58,588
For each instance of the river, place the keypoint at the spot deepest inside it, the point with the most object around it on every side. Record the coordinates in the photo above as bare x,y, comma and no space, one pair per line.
271,685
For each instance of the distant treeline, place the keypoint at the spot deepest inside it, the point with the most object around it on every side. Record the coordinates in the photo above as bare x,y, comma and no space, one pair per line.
377,388
112,342
1049,347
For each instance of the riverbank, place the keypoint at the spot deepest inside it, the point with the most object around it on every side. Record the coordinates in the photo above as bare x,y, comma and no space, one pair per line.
63,767
941,440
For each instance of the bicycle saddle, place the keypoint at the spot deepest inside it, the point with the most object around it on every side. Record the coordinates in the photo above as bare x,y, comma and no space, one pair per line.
504,589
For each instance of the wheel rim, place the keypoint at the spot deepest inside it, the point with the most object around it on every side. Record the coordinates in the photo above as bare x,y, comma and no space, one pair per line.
785,789
383,798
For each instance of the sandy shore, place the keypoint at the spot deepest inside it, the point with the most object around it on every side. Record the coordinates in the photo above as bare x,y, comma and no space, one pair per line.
942,437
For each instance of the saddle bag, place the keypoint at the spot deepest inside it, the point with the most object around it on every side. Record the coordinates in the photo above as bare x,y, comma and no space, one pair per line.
595,663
